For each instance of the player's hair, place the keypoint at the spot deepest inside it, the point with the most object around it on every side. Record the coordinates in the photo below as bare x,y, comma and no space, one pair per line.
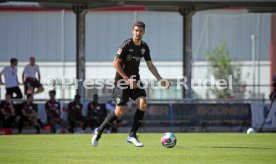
139,24
13,60
52,91
77,96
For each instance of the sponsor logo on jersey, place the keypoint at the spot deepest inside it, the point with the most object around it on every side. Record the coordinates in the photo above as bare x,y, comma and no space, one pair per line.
129,58
119,51
136,58
130,50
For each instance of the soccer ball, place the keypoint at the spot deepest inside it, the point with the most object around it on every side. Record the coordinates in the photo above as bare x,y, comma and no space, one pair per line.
168,140
250,130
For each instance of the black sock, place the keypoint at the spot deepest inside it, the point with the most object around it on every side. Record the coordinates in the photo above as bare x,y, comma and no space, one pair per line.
37,129
108,120
72,126
20,126
20,129
138,118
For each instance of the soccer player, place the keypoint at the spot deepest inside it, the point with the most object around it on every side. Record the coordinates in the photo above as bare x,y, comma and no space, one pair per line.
52,108
11,80
75,114
7,111
29,78
94,112
126,64
29,114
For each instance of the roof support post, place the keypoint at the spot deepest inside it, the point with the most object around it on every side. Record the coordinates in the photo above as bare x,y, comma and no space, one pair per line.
187,13
80,11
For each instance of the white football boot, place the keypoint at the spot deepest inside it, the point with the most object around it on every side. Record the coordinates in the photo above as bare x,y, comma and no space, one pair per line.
95,138
134,141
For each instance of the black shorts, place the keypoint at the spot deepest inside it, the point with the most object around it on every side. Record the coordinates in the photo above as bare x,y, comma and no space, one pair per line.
121,96
33,82
15,90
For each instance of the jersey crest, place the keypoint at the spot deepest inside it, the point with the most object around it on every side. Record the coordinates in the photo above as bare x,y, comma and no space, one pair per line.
143,51
129,57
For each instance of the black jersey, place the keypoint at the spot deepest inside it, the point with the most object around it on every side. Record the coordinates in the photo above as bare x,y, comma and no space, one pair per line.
75,108
6,106
29,108
53,107
131,56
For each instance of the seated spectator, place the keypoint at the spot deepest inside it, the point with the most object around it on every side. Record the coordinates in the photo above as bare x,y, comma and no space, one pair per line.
75,116
93,112
7,112
52,108
11,80
30,115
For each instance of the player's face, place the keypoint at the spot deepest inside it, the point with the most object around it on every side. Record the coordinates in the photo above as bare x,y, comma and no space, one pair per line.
137,33
52,96
32,61
15,63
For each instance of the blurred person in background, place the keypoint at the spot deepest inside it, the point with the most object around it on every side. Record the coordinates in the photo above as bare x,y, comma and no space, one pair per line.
7,112
93,112
31,82
53,112
75,116
30,115
11,80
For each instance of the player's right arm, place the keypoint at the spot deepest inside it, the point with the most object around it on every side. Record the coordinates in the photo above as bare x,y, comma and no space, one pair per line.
1,82
1,73
23,74
117,65
121,54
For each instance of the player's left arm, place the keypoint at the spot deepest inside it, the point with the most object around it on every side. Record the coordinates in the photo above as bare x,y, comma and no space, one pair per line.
155,73
17,79
23,75
153,70
38,73
39,77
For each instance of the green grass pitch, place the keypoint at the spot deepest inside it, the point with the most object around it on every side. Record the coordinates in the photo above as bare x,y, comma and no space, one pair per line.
200,148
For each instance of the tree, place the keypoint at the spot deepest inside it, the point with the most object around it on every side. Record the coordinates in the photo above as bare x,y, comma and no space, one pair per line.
221,67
